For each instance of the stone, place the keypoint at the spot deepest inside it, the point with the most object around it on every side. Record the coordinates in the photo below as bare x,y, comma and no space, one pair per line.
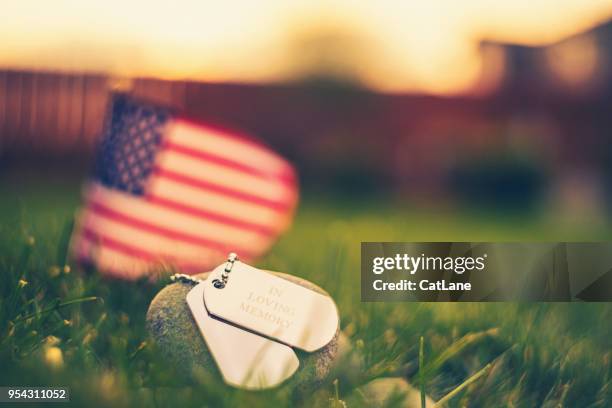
381,392
176,335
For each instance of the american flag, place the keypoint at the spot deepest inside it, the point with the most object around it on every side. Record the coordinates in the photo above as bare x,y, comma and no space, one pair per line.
167,191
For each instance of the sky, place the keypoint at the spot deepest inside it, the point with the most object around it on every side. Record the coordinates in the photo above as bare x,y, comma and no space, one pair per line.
391,46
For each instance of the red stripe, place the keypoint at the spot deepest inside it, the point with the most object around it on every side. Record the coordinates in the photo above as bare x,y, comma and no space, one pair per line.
196,212
285,176
164,232
86,259
231,134
83,258
261,229
216,188
132,251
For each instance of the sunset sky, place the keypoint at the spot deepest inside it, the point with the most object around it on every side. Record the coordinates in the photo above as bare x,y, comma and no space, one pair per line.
390,45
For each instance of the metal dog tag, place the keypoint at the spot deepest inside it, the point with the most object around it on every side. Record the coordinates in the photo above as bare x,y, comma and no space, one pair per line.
274,307
245,359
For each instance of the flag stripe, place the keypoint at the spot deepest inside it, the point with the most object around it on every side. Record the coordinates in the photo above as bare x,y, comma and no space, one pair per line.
145,211
113,262
205,138
200,184
147,255
284,177
123,262
221,242
216,175
184,217
206,200
222,131
148,241
198,212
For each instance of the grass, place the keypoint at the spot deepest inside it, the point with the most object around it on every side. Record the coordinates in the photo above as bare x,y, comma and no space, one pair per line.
63,326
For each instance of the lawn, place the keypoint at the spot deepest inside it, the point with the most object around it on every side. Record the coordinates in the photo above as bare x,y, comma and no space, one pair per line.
63,326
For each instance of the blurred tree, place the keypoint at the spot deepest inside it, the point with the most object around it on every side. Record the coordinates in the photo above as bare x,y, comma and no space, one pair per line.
329,54
499,180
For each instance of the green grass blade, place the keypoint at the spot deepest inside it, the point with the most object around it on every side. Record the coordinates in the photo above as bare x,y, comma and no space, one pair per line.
56,307
64,242
422,372
456,348
462,386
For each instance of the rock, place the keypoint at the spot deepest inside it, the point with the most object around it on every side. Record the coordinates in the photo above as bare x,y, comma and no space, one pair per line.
383,391
176,334
345,348
349,364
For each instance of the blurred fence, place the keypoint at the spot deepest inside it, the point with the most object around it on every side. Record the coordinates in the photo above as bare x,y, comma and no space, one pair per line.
50,112
58,114
344,138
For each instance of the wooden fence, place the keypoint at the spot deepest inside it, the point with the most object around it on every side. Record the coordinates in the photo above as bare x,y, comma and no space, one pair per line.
58,114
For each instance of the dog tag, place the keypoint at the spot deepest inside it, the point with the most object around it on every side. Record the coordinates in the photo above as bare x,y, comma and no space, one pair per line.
272,306
245,360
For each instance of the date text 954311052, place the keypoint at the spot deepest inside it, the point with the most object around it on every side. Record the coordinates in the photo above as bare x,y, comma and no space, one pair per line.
31,394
